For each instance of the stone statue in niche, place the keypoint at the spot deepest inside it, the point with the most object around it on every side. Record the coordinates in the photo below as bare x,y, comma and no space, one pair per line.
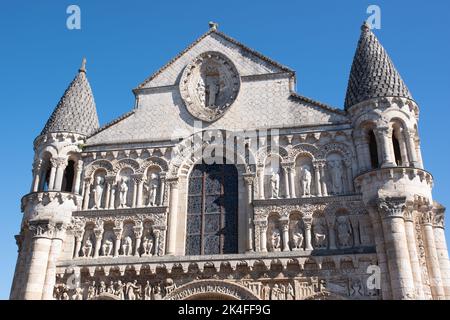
275,293
133,291
147,291
265,292
290,294
78,295
110,288
275,184
344,232
212,87
102,288
320,234
91,291
98,191
123,192
119,291
152,189
147,245
157,292
297,236
127,246
305,179
336,176
276,239
87,248
108,245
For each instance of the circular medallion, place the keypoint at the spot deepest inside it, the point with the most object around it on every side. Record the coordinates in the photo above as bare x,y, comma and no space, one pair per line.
209,85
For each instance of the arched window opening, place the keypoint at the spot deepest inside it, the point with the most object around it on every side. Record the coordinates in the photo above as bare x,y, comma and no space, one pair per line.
373,148
212,210
46,180
69,174
397,152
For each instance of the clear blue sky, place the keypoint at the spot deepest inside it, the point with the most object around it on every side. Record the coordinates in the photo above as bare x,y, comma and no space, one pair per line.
126,41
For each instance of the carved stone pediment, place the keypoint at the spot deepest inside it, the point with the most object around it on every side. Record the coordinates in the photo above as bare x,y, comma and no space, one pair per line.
209,85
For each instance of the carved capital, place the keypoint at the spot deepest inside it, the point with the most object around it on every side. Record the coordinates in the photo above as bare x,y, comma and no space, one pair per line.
426,217
409,212
42,228
439,215
58,162
117,232
138,231
138,178
249,178
172,182
392,207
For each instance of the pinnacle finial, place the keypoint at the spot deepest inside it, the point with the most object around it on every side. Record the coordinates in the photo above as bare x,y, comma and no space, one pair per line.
83,66
213,25
365,26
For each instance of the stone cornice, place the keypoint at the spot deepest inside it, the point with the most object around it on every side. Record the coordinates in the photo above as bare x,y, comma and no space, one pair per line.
306,200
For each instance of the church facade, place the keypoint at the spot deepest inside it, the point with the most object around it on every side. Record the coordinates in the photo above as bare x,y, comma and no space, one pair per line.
224,183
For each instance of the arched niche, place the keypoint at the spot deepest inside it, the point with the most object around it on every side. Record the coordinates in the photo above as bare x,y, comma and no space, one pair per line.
339,177
399,143
128,239
344,230
125,188
108,240
89,240
152,186
320,234
304,176
98,192
274,179
44,175
274,233
296,231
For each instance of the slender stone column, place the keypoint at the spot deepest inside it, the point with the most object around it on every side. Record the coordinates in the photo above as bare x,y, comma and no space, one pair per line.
412,248
118,234
426,221
383,133
98,240
51,180
412,151
78,235
55,250
349,178
138,235
173,210
402,281
441,248
78,172
323,179
261,182
37,267
37,167
135,192
385,283
286,181
87,193
307,222
157,235
112,191
403,148
162,184
285,234
317,179
249,179
61,164
292,181
263,235
354,219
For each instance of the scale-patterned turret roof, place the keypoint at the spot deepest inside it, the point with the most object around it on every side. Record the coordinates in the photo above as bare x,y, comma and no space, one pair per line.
76,111
373,75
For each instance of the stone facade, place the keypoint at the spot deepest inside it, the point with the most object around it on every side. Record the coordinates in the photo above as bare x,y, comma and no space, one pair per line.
323,203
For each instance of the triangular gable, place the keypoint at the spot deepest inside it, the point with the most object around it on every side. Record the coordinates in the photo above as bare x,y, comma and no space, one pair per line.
247,61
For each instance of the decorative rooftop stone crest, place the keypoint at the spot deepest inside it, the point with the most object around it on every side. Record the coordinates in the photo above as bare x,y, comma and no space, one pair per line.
209,85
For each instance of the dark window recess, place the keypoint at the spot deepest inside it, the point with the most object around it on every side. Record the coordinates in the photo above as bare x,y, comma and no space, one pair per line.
69,174
397,153
212,210
373,148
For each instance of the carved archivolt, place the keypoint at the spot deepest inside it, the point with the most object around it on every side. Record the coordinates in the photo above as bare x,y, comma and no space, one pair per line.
125,163
267,151
305,149
339,148
153,162
98,164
